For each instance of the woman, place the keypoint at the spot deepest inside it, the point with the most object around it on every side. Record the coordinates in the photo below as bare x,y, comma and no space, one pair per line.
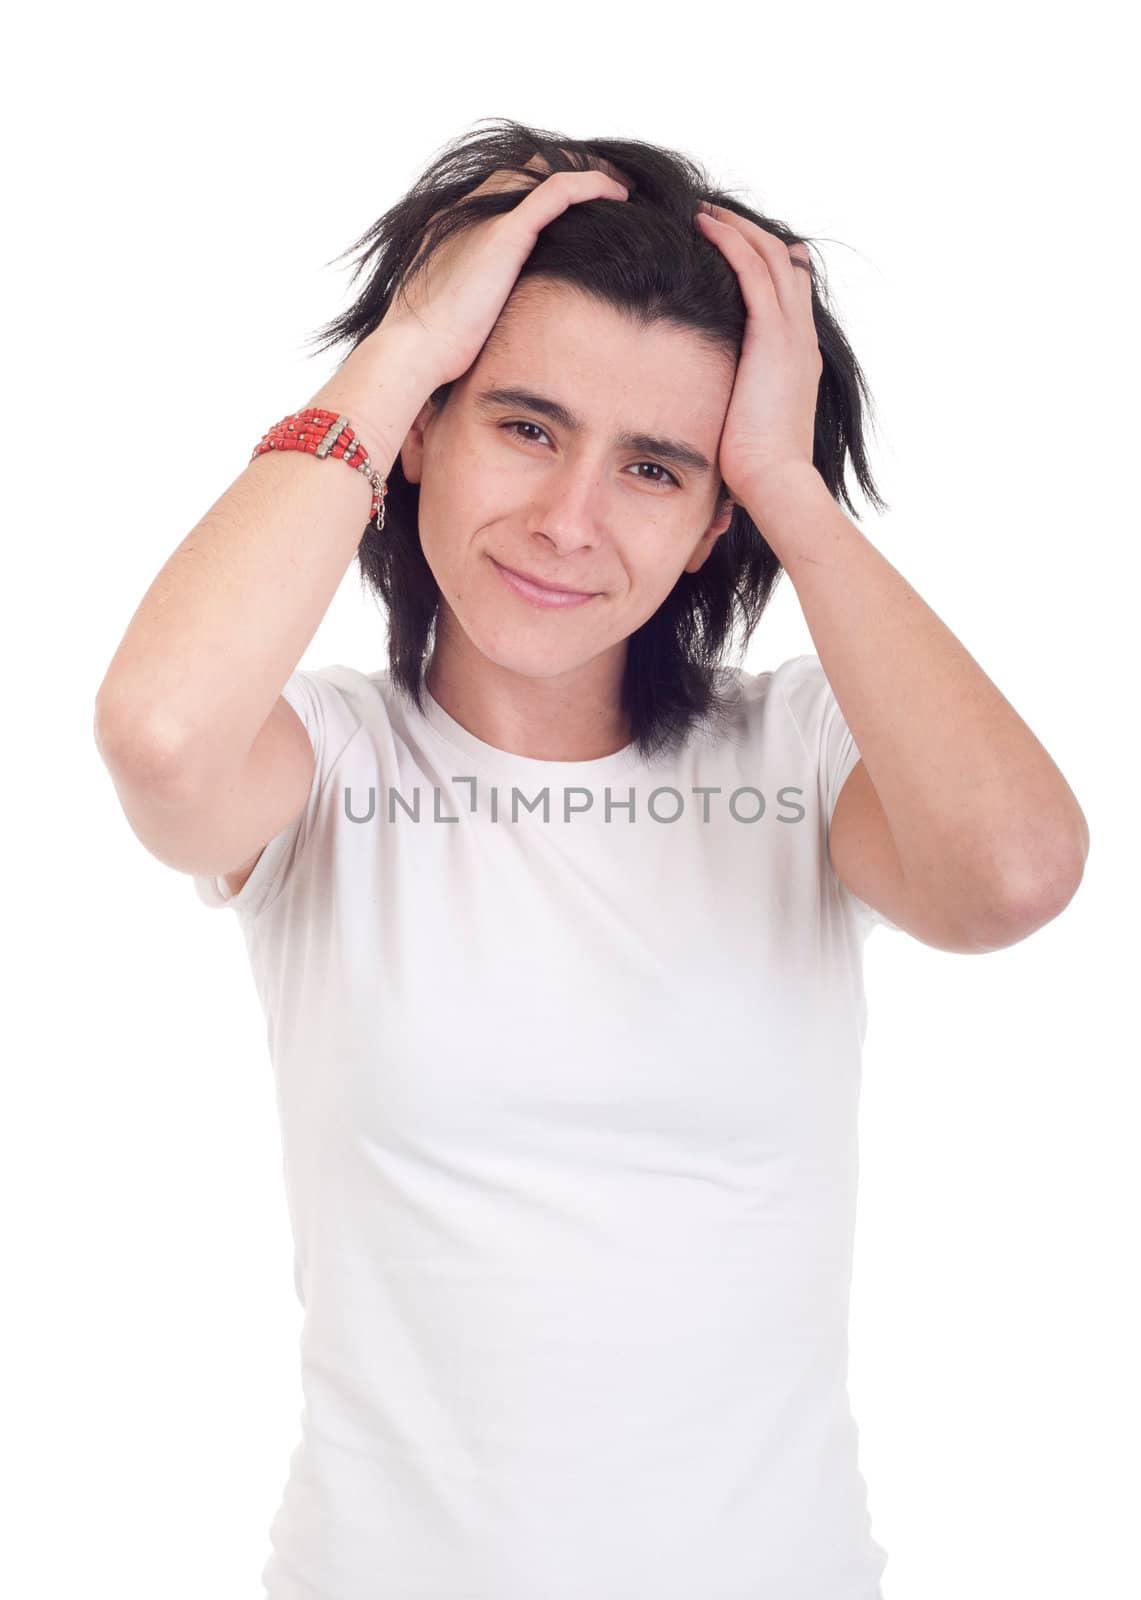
558,921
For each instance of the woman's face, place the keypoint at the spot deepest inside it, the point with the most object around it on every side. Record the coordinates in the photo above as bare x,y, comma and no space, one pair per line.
504,483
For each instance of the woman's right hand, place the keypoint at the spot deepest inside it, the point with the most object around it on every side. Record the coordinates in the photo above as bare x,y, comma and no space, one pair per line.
452,305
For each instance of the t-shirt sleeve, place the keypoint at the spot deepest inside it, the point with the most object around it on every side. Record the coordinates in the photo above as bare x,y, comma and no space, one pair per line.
825,729
330,723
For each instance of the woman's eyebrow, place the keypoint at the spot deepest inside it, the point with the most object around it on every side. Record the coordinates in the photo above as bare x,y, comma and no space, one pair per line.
675,450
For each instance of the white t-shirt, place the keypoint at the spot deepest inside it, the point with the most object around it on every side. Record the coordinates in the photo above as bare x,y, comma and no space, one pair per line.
568,1107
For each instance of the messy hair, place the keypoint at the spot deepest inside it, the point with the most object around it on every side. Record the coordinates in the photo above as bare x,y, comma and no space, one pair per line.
644,259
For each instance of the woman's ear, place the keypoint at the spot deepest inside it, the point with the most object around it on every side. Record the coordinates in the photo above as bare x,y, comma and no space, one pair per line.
412,450
710,537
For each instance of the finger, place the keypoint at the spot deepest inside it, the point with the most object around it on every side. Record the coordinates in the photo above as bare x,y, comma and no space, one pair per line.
775,254
548,199
604,168
798,252
615,172
751,266
801,257
600,164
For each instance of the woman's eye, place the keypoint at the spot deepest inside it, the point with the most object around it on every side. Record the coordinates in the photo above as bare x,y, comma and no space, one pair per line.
526,439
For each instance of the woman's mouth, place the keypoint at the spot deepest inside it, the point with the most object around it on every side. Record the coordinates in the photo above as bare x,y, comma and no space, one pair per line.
536,593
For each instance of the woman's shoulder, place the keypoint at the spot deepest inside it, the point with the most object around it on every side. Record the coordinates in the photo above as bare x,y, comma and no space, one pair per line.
795,689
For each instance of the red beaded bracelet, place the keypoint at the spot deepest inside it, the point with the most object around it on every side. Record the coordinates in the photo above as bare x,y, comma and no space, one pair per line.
324,433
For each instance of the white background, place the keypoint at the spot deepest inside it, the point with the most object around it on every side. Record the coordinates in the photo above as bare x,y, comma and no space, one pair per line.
177,181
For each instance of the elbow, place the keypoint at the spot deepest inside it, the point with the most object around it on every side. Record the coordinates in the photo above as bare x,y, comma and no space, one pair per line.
129,741
1035,894
980,913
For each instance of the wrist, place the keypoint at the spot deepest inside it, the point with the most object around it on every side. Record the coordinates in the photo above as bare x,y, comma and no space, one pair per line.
769,494
379,388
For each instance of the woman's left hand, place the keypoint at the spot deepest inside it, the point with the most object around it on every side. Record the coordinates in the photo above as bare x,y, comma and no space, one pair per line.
770,425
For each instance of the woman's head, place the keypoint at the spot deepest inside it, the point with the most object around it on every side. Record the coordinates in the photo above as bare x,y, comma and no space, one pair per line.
629,320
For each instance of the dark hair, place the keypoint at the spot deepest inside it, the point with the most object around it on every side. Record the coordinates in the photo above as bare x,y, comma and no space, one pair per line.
645,259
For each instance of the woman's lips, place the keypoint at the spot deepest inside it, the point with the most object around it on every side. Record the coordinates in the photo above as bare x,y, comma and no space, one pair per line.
535,593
